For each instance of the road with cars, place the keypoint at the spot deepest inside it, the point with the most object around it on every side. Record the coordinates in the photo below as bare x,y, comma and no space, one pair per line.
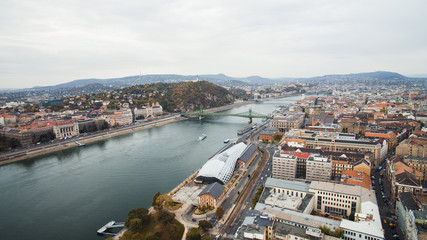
382,193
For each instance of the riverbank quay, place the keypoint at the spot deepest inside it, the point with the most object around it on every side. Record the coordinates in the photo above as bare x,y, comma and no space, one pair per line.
46,148
42,149
187,192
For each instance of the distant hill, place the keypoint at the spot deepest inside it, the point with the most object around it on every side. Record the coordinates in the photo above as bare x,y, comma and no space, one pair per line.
226,81
93,85
370,78
174,97
218,79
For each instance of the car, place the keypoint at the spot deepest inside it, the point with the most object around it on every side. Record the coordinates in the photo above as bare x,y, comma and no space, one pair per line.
194,220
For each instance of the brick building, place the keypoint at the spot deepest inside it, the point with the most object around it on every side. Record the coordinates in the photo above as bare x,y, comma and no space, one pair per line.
211,195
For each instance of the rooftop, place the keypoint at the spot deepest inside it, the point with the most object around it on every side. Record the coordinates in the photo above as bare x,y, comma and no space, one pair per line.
248,152
221,166
372,227
336,187
279,183
283,229
408,200
213,189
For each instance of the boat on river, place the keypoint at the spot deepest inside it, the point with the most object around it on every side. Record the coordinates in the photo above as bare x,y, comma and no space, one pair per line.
227,140
202,137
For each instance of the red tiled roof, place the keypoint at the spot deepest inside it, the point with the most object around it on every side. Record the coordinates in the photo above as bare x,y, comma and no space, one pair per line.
302,155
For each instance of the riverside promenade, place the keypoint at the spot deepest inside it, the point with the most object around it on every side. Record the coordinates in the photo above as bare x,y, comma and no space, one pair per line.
46,148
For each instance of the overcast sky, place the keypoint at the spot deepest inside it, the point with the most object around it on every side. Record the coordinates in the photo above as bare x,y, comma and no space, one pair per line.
50,42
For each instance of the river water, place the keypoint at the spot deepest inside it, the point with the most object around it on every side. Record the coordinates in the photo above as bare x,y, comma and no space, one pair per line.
72,193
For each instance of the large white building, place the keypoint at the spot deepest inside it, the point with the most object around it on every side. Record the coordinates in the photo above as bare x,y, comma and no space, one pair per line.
220,167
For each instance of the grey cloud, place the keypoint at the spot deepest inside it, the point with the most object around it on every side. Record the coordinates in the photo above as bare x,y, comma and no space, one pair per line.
49,42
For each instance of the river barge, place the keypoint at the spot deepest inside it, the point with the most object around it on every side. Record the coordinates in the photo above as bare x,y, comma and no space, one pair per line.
246,129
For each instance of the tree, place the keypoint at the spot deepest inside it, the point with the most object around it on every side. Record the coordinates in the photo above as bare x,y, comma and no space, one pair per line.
219,212
203,224
339,232
278,136
140,213
135,225
257,196
163,200
153,203
165,217
193,234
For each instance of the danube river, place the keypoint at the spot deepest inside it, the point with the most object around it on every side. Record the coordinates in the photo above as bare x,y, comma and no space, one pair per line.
72,193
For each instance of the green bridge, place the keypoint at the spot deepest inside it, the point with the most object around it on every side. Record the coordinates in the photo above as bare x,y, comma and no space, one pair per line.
248,114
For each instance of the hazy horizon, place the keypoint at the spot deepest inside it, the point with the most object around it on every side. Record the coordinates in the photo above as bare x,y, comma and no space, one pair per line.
50,42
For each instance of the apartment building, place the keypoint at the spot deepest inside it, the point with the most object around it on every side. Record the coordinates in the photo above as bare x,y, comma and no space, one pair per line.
417,164
403,178
284,165
416,147
318,168
289,121
378,150
300,165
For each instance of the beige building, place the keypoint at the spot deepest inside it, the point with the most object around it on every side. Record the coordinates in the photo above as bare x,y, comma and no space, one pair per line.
318,168
416,147
339,165
283,200
402,178
290,121
284,165
339,145
418,164
119,119
336,199
66,129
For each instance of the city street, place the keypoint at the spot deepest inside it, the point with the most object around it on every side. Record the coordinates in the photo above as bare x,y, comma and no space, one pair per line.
385,206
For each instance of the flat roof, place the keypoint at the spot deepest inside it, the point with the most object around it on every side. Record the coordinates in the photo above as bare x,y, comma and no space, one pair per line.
283,229
297,217
292,185
373,227
337,188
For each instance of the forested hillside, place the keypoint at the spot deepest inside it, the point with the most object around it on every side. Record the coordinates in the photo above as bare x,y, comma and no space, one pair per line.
174,97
